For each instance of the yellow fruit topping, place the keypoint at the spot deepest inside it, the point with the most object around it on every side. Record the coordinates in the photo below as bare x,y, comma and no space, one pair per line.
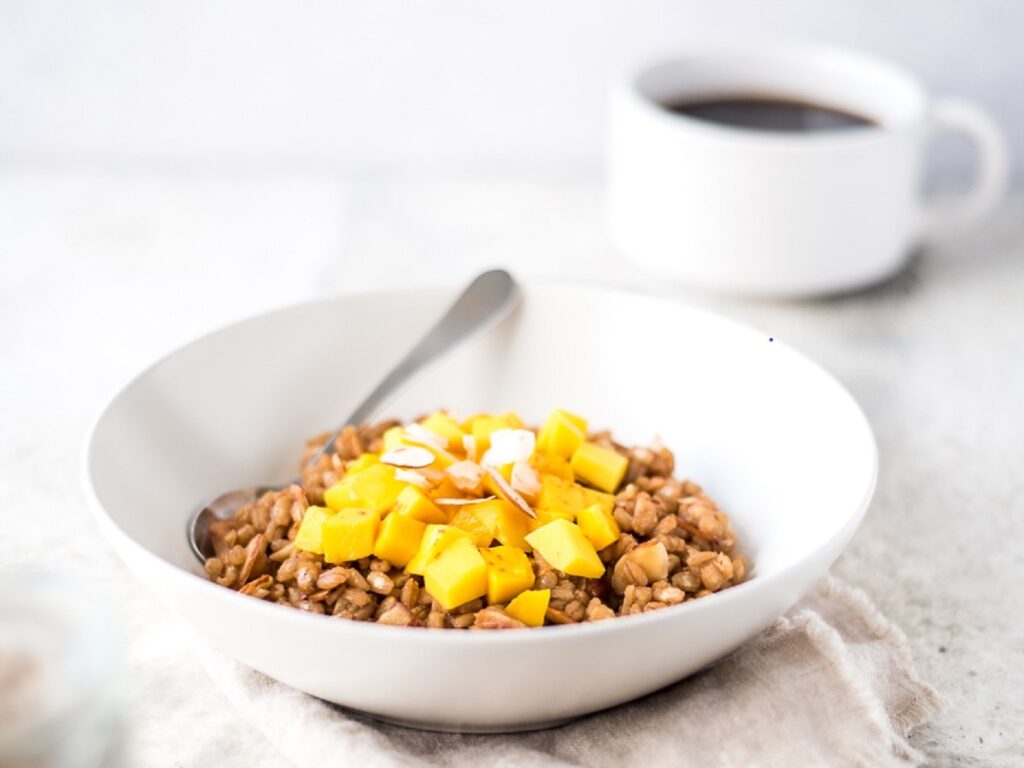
310,537
506,523
479,529
508,573
566,548
560,496
435,538
413,502
349,534
599,467
562,433
374,487
443,425
598,525
456,574
399,539
530,606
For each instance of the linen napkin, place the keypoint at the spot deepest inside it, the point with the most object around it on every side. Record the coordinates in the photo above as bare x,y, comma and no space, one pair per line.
831,683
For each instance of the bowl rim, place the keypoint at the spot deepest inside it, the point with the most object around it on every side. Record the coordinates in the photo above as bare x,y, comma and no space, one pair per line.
370,630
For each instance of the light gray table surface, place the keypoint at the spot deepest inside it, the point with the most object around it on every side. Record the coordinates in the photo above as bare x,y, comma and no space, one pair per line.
101,274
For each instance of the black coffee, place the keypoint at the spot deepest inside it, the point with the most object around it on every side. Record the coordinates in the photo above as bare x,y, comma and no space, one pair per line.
764,113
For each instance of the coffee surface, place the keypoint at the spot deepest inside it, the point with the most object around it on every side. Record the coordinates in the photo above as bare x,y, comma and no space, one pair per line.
768,114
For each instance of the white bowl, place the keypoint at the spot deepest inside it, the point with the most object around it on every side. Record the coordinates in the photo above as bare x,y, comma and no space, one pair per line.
776,440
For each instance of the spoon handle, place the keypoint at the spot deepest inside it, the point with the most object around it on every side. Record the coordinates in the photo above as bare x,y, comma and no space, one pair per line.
485,302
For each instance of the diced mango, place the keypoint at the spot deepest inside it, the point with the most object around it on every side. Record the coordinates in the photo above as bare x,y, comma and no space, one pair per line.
359,464
392,439
413,502
507,524
559,495
545,516
445,489
456,575
443,425
479,529
399,539
375,487
530,607
349,534
598,525
483,425
435,538
508,573
562,433
604,500
565,547
553,464
310,537
599,467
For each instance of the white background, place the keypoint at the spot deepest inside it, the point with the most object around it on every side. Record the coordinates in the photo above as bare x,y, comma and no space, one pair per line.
414,85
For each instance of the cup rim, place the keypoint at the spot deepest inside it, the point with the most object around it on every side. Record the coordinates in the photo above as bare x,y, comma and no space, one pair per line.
857,64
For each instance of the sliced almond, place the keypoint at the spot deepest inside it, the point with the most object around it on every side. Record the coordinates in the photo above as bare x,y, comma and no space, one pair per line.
508,492
509,446
526,480
408,456
417,433
412,477
469,446
461,502
468,476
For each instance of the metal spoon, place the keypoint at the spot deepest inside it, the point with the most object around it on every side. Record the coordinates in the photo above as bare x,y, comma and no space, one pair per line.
489,299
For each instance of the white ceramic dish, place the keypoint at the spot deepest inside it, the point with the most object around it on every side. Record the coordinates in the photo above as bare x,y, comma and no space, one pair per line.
777,441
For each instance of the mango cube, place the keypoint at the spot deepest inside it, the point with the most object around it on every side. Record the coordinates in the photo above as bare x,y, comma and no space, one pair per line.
599,467
560,495
392,439
507,524
435,539
413,502
374,487
552,464
562,433
530,607
478,528
456,575
598,525
399,539
604,500
359,464
508,573
310,537
443,425
545,516
483,425
566,548
349,534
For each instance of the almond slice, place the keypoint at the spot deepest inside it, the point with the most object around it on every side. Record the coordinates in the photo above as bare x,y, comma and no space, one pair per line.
417,433
508,492
509,446
412,477
467,475
408,456
526,480
461,502
469,446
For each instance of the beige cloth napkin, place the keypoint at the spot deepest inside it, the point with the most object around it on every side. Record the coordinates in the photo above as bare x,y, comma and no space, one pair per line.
831,683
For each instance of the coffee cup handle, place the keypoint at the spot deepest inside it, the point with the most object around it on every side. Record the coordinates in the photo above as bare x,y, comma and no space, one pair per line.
947,217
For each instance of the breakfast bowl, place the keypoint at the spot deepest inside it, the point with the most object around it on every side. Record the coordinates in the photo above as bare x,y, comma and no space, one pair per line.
774,439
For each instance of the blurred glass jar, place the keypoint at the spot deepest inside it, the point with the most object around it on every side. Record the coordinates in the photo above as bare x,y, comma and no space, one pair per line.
58,687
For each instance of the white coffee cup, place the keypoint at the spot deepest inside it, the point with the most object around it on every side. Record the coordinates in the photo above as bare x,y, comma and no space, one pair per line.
779,213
